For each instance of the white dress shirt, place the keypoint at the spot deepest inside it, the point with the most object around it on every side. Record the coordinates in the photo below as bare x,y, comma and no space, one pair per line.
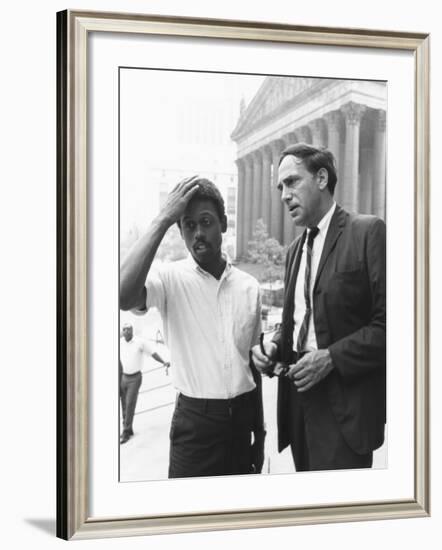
318,245
131,354
210,326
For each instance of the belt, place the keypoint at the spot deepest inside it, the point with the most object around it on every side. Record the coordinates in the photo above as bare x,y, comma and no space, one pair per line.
215,405
132,374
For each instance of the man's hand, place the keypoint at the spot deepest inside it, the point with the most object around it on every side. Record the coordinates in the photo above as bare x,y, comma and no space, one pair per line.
264,363
258,451
311,369
178,199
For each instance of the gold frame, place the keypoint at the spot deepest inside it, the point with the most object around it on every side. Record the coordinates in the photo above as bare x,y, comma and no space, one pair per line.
73,521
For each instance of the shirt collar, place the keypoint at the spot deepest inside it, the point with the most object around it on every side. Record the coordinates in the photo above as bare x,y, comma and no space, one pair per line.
193,264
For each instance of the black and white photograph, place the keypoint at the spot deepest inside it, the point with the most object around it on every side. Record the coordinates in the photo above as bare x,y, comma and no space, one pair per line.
252,274
196,197
243,283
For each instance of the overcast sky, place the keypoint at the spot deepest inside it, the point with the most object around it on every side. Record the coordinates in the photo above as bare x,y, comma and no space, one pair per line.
149,102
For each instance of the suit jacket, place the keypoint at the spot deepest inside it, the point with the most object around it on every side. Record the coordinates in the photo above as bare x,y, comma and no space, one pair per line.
349,308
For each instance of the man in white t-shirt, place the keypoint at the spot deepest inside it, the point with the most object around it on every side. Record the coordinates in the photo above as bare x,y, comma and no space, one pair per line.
132,350
211,315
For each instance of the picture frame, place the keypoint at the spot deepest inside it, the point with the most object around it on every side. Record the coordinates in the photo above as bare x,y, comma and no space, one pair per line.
74,519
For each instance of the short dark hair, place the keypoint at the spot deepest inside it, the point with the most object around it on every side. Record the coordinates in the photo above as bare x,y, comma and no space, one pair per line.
314,158
208,191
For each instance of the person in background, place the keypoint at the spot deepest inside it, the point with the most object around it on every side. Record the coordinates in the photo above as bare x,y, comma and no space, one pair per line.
132,350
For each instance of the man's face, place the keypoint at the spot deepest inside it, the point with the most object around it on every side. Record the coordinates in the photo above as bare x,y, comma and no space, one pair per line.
300,191
202,231
127,332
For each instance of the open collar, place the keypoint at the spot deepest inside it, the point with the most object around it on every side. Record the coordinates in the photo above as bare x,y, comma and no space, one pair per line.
194,265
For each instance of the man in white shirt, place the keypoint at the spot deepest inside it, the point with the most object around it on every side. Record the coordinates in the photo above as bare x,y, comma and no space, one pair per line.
332,340
132,350
211,316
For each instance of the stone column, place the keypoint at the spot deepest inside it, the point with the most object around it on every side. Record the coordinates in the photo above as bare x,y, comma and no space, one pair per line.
304,134
239,224
353,113
289,139
246,221
277,208
317,129
287,222
256,191
333,119
366,180
266,186
379,195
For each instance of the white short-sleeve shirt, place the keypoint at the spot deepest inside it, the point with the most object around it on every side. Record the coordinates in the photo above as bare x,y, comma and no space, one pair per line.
210,326
131,354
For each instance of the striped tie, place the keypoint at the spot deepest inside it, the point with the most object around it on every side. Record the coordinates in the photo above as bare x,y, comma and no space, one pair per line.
302,335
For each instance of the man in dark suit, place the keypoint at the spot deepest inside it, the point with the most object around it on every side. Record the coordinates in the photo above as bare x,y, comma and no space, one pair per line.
330,351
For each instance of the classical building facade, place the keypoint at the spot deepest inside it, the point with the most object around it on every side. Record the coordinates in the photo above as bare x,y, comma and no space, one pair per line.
347,116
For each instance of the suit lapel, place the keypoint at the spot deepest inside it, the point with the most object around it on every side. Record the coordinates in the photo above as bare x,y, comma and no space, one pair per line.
334,232
294,268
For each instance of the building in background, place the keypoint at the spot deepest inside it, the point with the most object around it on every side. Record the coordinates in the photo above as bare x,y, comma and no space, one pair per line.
203,143
347,116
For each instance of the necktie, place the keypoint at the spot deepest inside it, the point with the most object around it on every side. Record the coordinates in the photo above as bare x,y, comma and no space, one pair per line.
302,334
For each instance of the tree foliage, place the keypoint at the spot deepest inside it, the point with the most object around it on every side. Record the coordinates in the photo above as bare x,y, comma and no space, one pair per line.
172,246
267,252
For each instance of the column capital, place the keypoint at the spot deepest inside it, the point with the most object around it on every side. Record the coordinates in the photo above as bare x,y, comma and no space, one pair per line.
256,154
266,151
353,112
381,120
289,138
316,125
277,146
247,159
333,118
317,129
304,134
246,166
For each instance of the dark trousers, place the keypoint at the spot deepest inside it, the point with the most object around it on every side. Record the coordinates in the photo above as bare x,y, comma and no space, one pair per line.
315,437
129,387
211,437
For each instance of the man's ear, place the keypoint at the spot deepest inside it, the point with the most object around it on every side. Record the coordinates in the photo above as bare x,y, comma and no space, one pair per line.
322,175
224,224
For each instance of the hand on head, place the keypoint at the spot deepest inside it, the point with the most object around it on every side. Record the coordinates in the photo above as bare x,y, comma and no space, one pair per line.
178,199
